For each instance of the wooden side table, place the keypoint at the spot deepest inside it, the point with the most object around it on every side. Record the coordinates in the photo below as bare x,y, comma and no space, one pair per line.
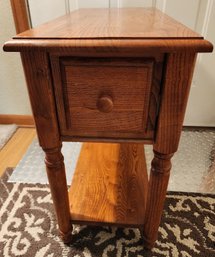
110,75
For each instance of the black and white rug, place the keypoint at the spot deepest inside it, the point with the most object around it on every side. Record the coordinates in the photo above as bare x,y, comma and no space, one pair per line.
28,227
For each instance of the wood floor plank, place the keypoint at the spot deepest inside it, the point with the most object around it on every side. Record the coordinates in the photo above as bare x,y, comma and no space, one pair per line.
109,185
16,147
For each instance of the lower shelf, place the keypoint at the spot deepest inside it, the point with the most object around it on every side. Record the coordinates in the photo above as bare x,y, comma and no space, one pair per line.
109,185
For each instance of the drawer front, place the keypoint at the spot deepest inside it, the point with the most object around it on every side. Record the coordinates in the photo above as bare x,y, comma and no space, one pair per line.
109,98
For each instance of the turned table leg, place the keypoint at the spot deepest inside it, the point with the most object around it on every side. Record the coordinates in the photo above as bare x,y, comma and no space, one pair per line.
158,182
40,88
175,90
57,180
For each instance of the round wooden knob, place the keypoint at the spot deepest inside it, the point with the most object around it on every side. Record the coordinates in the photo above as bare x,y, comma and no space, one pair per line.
105,104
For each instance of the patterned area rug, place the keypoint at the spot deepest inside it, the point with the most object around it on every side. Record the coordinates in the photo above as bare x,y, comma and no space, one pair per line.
28,228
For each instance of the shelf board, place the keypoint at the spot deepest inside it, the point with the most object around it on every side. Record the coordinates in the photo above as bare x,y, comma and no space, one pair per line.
109,185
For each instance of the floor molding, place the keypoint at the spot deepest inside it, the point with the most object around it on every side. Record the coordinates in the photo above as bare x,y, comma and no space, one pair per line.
21,120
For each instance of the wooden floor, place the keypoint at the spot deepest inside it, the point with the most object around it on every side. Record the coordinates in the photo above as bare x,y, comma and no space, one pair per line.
15,148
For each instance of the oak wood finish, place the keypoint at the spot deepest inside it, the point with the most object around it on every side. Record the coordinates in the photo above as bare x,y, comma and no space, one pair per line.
105,103
109,185
125,82
15,148
21,120
109,47
39,81
114,75
176,88
115,23
106,139
58,185
20,15
158,182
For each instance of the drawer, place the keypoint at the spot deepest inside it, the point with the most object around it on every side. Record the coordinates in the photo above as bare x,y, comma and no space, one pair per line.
105,98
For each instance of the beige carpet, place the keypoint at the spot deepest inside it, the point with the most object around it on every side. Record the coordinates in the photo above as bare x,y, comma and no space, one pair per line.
6,131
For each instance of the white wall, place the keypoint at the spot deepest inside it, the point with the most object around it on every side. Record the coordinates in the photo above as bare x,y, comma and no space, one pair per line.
13,92
199,15
201,105
45,10
75,4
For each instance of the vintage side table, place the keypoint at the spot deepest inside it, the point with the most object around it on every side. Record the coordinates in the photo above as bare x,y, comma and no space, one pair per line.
118,76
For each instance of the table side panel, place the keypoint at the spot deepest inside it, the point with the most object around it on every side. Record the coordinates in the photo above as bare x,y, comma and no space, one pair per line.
39,81
175,91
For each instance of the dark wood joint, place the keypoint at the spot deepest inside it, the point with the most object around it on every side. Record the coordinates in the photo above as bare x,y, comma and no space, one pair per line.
54,158
66,237
161,163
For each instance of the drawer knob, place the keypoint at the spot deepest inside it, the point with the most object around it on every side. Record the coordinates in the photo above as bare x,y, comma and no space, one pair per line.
105,104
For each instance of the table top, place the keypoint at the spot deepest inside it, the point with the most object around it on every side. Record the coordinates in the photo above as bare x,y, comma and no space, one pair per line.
107,31
113,23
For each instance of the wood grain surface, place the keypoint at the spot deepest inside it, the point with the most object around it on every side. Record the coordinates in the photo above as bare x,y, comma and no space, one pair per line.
20,15
107,47
114,23
83,81
109,185
175,92
39,82
16,147
157,188
21,120
55,169
106,32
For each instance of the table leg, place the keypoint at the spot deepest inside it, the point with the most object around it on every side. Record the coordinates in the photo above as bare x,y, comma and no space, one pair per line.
158,182
57,180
